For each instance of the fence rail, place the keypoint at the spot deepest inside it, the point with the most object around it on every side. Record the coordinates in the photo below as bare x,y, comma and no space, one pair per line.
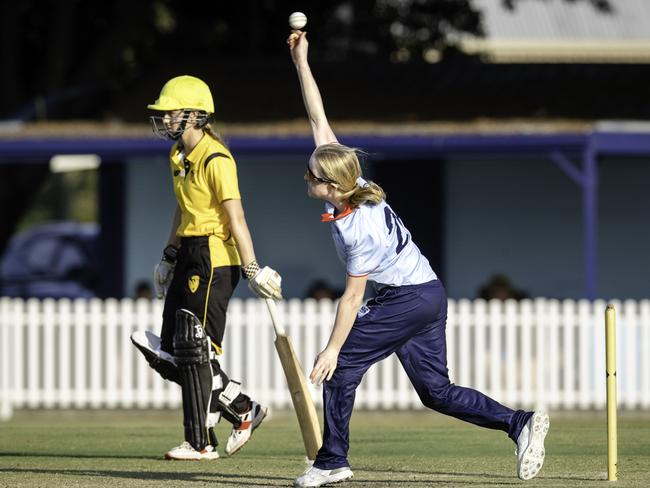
77,354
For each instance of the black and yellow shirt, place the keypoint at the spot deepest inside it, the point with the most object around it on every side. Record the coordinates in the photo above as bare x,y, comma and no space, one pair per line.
202,180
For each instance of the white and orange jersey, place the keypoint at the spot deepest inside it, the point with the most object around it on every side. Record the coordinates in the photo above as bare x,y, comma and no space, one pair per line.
372,241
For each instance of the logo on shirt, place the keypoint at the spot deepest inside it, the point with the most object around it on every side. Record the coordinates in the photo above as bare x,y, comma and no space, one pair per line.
198,331
193,283
363,311
185,170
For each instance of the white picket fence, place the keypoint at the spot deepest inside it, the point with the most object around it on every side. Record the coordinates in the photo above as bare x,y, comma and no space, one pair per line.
77,354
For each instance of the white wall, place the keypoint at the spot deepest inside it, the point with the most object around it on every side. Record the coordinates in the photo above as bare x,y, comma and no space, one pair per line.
284,222
523,217
624,231
518,216
149,208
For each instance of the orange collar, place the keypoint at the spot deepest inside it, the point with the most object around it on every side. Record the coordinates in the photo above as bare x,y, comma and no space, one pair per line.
329,217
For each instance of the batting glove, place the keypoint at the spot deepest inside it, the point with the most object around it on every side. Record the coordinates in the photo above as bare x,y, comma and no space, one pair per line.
163,272
265,282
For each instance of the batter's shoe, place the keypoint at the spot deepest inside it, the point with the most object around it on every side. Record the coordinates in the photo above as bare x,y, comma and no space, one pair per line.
250,421
317,477
185,452
530,446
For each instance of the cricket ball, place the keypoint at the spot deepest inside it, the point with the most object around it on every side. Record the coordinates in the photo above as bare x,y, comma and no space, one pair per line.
297,20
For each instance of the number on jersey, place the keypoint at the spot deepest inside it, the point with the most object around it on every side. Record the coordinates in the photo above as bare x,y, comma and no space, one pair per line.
394,222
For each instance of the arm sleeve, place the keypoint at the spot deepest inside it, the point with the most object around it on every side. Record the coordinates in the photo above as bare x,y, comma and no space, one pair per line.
222,177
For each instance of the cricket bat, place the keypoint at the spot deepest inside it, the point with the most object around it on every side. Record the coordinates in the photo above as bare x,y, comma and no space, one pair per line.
300,396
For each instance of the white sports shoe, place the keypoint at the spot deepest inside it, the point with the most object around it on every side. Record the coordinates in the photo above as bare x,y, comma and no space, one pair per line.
530,446
185,452
317,477
250,421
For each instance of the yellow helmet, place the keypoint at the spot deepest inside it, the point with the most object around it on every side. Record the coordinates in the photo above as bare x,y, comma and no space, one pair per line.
184,92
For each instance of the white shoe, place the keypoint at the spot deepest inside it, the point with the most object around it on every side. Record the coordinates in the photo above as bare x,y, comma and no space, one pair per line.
530,446
249,422
185,452
317,477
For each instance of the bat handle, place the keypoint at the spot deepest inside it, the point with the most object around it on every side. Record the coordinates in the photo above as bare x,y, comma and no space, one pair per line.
273,310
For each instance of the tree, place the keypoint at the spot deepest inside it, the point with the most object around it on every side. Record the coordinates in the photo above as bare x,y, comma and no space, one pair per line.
68,57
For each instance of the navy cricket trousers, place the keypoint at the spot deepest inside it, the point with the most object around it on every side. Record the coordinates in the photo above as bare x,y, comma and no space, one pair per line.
409,321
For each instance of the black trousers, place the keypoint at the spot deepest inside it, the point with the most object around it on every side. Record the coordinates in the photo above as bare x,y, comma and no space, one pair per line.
200,288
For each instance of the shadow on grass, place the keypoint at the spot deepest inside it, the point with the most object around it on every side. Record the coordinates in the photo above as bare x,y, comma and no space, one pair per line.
432,477
238,480
483,479
75,455
226,479
475,475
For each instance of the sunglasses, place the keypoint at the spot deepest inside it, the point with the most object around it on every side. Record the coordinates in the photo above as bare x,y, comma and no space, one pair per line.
313,177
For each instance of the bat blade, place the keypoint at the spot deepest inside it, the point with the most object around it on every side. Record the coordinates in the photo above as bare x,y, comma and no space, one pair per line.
300,396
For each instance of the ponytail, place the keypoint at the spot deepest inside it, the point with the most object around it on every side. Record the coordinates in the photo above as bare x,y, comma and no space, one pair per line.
210,129
340,163
370,193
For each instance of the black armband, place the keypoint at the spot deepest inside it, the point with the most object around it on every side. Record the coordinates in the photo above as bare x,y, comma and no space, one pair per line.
170,253
250,270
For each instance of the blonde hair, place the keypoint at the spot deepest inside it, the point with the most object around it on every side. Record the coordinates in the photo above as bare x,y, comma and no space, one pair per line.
340,164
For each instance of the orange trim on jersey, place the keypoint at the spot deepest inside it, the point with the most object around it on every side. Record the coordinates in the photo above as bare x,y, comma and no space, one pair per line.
328,217
358,276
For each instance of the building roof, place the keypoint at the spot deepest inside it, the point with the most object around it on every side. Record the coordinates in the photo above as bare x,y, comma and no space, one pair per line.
552,31
17,130
118,143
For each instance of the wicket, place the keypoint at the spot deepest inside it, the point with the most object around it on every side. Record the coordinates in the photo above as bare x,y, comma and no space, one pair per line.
610,348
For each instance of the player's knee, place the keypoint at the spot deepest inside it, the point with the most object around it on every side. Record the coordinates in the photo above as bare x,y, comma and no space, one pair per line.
435,398
192,357
149,344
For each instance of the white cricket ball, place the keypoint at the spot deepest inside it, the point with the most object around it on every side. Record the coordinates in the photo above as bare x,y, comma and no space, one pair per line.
297,20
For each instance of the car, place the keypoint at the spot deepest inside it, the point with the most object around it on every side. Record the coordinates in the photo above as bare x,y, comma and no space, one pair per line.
52,259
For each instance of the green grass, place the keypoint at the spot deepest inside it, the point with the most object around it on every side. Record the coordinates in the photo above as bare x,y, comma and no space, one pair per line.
389,449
